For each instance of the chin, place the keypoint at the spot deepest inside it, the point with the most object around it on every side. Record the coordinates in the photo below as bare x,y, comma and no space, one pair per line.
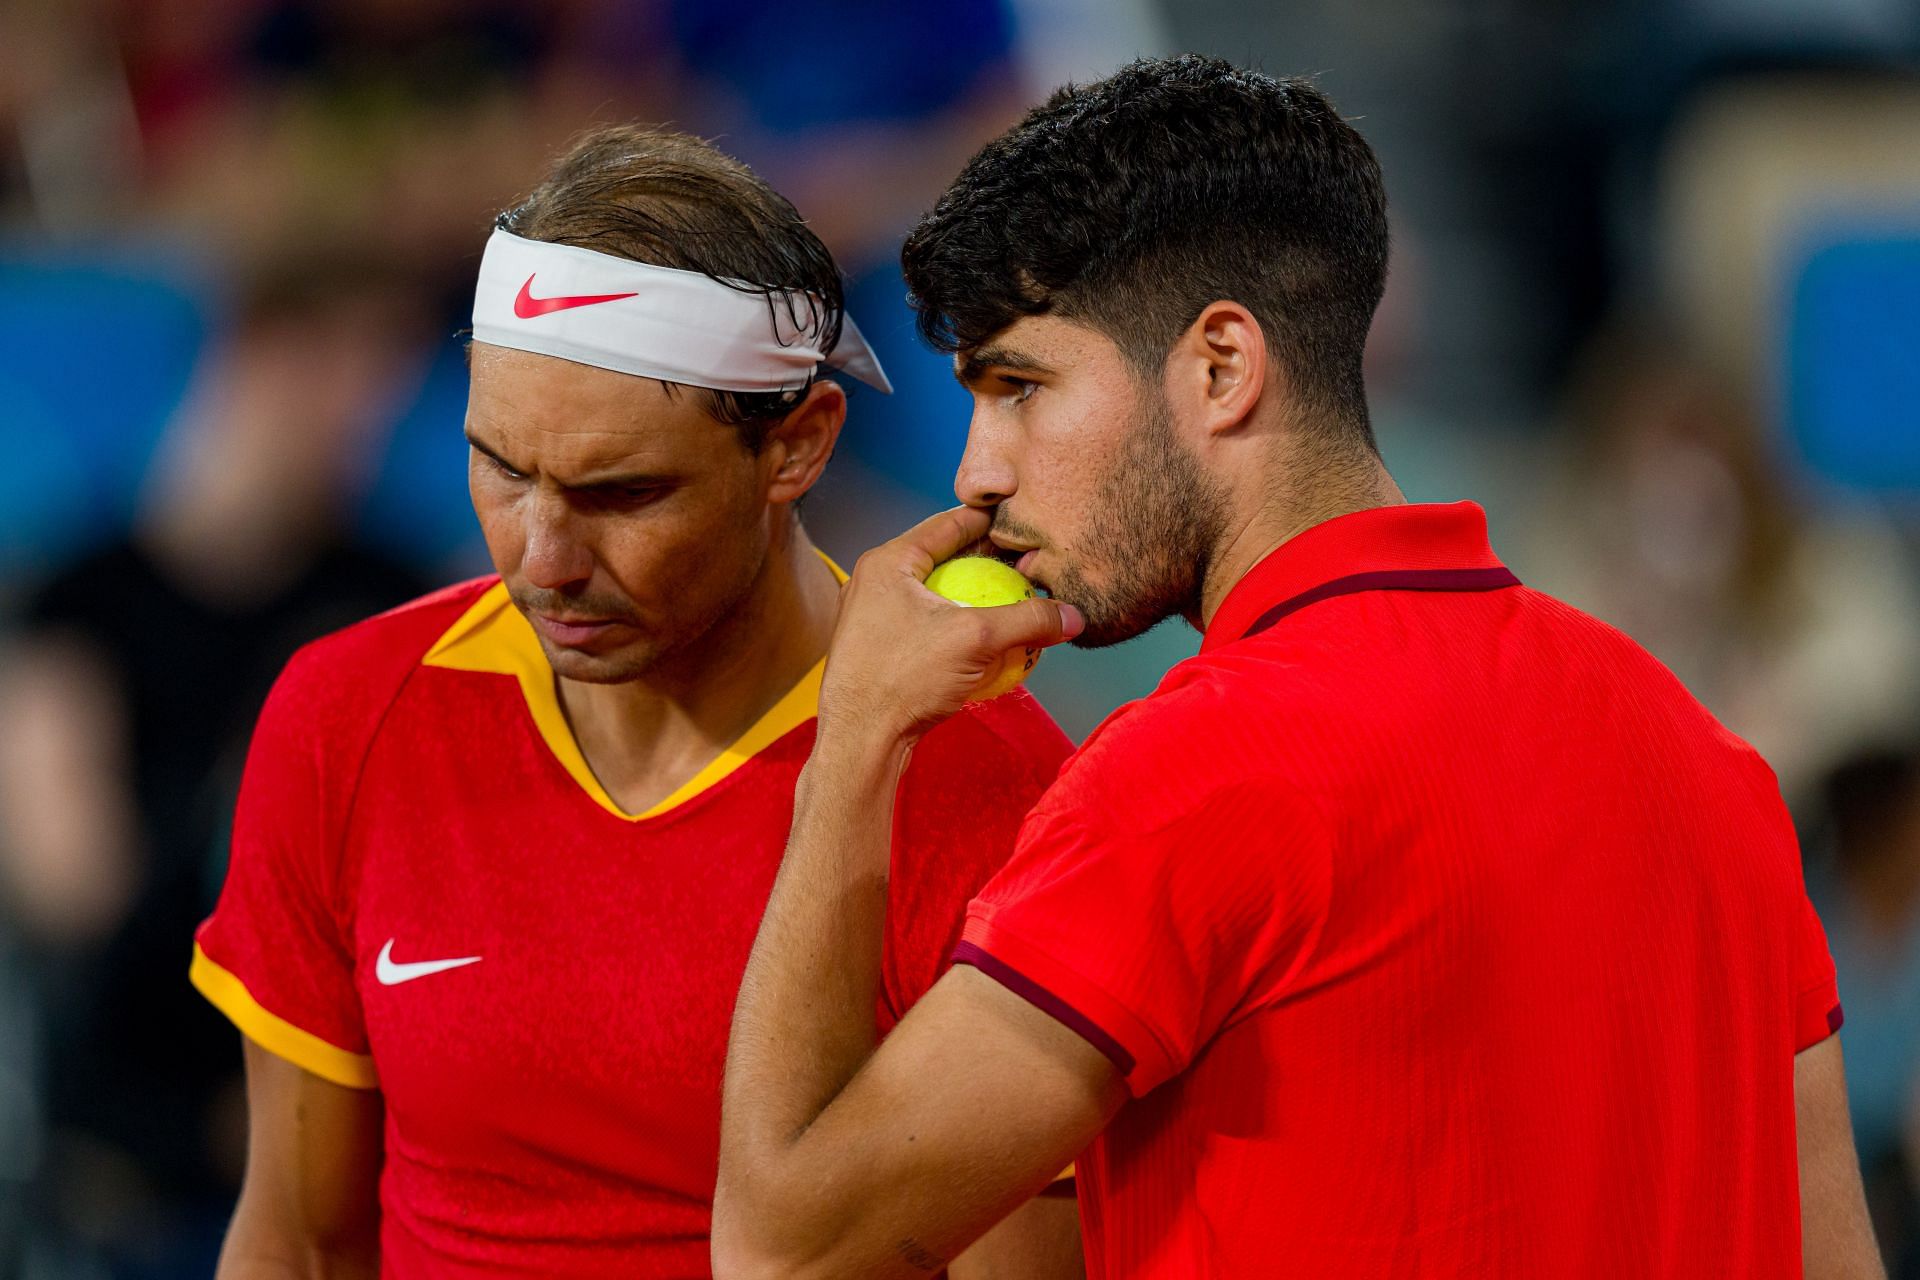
1115,616
1105,628
617,667
1101,636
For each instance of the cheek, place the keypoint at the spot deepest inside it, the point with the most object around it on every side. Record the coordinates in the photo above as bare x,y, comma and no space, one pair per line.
499,527
684,557
1067,463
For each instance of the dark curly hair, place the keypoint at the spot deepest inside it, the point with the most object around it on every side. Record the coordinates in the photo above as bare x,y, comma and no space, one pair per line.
670,199
1132,203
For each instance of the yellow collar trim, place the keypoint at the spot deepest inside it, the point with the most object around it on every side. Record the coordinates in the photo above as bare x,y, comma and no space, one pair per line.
494,637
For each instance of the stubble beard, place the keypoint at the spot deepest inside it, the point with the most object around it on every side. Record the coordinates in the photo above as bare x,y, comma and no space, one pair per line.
1155,520
573,664
650,655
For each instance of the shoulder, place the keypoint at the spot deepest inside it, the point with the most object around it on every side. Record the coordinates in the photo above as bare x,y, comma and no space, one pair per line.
1165,752
341,684
317,731
394,641
969,786
1215,743
1619,679
1010,740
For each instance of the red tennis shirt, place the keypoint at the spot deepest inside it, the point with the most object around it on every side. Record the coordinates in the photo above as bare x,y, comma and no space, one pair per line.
1436,930
431,895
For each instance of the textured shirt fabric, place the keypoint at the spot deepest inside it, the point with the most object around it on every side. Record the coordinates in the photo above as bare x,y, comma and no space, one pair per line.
413,795
1436,930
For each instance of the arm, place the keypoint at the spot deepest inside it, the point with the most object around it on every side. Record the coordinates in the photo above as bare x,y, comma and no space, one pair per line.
898,1175
309,1207
1836,1237
837,1160
1038,1241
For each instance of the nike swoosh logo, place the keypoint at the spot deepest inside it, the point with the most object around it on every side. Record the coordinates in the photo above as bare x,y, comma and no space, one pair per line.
526,306
392,974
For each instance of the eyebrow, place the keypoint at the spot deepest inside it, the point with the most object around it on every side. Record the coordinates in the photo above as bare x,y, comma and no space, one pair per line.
483,448
974,365
630,480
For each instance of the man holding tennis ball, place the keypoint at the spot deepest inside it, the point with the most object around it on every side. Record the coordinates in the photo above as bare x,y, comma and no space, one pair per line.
1418,926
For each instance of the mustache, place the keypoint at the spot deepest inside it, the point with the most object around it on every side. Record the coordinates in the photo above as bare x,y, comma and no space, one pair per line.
551,603
1013,531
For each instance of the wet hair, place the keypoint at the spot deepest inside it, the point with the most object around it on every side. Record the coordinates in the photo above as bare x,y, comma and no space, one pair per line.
672,200
1133,203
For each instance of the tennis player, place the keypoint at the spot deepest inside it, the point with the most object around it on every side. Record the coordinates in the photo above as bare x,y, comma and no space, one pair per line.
500,854
1419,926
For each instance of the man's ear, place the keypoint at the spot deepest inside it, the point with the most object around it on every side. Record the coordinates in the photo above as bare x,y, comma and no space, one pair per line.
796,450
1218,368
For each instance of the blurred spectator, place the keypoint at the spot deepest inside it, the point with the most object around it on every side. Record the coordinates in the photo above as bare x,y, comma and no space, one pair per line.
124,715
1800,629
65,106
1868,894
1752,175
1548,164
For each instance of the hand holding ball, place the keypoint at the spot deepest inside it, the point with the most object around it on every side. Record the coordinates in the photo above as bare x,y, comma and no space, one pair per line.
904,656
979,582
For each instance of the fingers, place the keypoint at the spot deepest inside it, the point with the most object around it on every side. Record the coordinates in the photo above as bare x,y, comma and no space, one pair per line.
1029,624
902,658
940,537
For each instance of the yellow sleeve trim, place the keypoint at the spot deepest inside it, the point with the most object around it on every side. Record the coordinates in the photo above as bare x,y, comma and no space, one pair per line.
1066,1175
275,1034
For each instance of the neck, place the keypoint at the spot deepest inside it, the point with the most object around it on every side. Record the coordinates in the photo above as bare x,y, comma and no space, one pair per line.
1301,491
644,738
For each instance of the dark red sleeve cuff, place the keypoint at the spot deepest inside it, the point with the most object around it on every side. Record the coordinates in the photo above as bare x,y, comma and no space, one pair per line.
1817,1014
1076,1002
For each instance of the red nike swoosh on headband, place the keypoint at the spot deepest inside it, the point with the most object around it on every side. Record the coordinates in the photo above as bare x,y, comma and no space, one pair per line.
526,306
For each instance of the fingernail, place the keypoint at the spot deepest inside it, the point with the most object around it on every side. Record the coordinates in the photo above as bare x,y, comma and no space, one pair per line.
1072,621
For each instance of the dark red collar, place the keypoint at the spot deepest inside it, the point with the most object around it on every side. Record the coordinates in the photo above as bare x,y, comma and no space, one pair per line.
1416,547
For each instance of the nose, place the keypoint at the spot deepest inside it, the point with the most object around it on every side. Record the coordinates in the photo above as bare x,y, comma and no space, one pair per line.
555,556
986,474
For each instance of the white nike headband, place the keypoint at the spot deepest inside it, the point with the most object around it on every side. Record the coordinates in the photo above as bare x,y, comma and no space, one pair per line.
656,322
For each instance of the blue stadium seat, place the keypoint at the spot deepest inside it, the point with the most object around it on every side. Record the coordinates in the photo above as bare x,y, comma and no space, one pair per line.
1853,358
95,354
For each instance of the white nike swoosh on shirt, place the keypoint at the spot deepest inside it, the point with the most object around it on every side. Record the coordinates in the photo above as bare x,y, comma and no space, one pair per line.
392,974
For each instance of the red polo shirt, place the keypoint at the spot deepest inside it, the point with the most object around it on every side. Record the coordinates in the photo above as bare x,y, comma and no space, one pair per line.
1436,930
432,895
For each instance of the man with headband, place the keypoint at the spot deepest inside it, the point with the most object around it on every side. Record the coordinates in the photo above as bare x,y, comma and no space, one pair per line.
500,854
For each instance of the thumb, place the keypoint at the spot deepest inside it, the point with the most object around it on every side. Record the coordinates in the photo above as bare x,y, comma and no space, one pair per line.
1034,623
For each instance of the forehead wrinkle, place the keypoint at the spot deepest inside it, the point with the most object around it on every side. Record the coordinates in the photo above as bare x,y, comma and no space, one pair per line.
528,383
537,417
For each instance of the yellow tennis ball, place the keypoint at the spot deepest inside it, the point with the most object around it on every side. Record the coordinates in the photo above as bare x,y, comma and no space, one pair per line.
980,582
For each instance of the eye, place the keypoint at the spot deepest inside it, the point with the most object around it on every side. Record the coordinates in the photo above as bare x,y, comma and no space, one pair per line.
502,468
623,497
1022,389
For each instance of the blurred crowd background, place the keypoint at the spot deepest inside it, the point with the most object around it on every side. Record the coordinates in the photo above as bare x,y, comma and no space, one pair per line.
1655,303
